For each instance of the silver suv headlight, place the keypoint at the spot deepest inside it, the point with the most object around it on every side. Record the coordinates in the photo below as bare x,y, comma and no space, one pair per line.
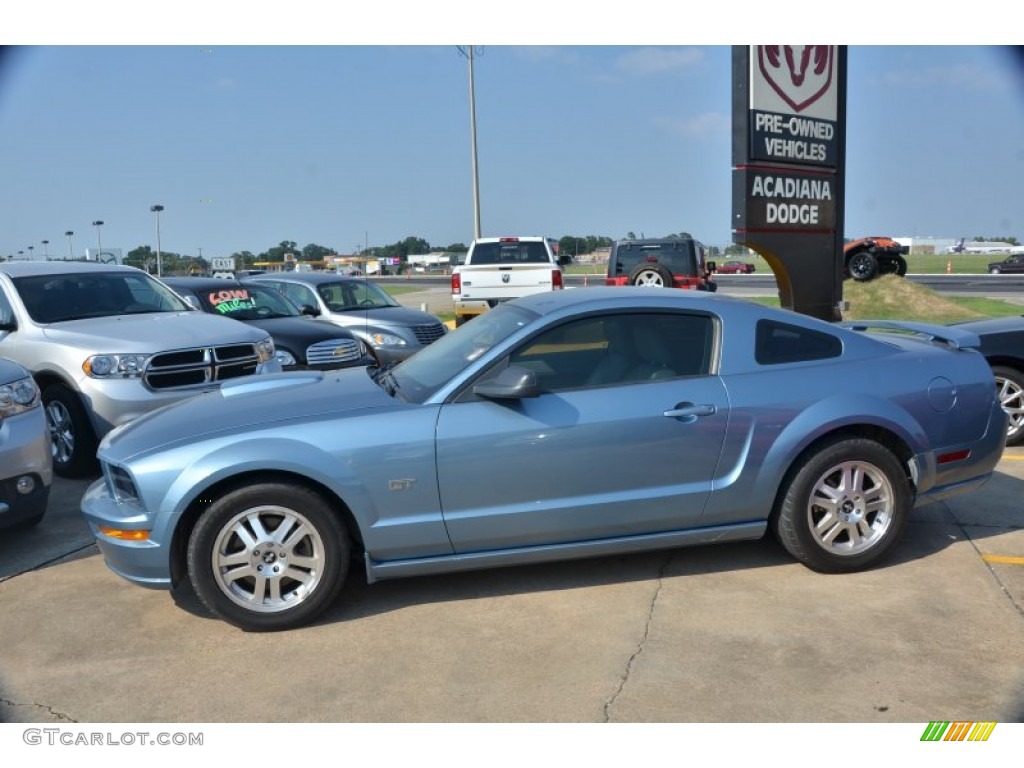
18,397
115,366
265,349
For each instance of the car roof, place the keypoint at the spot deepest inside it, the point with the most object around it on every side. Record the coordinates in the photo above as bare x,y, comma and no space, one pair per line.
34,268
314,278
200,283
627,297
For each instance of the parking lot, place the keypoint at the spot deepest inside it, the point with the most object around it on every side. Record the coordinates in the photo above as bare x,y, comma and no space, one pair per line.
727,633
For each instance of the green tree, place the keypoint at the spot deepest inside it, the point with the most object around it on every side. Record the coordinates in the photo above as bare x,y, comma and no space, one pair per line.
314,252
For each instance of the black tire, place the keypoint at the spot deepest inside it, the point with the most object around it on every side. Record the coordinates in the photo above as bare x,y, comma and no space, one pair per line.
1010,391
273,579
862,266
651,276
901,266
870,493
995,271
72,439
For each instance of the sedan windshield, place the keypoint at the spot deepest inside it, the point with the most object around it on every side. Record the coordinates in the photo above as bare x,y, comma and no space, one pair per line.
247,302
80,295
418,377
350,295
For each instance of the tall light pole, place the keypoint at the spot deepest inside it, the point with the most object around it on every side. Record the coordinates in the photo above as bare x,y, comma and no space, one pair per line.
99,242
71,254
159,262
46,253
30,252
467,51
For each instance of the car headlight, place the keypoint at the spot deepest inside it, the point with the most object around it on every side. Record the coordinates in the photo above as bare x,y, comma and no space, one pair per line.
265,349
120,484
285,357
380,339
115,366
17,397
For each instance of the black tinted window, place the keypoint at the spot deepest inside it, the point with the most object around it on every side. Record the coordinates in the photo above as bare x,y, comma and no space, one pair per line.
511,252
782,343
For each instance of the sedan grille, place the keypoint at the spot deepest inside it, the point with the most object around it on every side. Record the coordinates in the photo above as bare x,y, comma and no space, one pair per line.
197,367
428,333
333,353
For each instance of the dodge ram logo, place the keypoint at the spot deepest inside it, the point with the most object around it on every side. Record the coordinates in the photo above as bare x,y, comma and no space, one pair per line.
505,277
799,74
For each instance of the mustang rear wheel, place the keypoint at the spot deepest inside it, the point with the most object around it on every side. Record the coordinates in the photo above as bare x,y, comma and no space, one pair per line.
844,506
1010,391
268,557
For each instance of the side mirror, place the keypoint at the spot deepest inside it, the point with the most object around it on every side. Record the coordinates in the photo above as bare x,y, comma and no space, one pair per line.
712,266
308,309
192,301
513,383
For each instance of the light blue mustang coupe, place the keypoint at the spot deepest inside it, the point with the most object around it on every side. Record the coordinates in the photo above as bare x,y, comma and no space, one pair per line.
563,425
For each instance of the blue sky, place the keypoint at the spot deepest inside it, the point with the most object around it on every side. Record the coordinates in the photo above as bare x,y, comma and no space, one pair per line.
346,145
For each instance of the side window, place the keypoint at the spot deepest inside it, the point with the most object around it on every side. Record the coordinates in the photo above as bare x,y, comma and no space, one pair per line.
300,294
6,312
619,349
778,343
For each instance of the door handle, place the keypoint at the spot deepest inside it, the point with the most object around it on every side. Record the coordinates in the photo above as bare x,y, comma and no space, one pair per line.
689,413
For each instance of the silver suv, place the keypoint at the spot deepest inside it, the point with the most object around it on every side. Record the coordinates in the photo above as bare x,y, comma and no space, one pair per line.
25,464
108,343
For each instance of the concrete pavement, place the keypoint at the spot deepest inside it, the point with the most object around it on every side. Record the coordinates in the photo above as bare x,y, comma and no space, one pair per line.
728,633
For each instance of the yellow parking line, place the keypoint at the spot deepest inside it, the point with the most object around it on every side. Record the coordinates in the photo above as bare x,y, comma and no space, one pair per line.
1003,559
1012,458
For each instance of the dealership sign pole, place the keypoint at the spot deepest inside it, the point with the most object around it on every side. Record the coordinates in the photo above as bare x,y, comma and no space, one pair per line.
789,168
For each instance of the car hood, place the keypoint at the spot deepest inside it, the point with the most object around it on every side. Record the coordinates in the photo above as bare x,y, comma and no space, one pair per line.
149,333
388,316
247,405
993,324
299,330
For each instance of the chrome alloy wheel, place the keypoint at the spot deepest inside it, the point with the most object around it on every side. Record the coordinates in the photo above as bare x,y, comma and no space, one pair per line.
61,429
1011,397
268,558
850,508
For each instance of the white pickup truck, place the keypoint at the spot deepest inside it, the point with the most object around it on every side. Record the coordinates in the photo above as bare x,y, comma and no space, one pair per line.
501,268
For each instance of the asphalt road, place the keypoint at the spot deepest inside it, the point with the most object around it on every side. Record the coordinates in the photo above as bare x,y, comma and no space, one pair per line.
725,633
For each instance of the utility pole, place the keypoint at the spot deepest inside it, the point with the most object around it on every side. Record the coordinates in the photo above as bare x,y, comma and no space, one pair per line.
467,51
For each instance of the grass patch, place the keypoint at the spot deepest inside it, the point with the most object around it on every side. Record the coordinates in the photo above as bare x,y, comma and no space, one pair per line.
892,298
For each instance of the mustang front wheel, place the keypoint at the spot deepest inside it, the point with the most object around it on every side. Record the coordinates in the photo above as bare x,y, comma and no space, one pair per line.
268,557
844,507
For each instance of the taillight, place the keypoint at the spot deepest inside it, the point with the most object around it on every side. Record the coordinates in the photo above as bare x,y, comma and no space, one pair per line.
556,279
456,283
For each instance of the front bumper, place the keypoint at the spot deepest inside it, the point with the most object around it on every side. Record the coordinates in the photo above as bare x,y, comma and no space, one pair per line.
146,563
24,456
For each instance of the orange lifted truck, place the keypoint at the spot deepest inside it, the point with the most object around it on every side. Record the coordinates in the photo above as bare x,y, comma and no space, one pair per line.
868,257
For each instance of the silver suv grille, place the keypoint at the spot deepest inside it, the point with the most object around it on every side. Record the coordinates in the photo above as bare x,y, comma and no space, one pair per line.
428,333
333,353
196,367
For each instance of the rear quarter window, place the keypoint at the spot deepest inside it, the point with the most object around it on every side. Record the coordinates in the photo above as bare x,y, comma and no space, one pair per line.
778,343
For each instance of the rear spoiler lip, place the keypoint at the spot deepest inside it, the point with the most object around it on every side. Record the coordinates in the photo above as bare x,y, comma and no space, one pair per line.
957,338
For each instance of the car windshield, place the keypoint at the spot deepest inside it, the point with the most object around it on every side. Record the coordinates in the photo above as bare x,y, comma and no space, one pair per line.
246,302
80,295
351,295
418,377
